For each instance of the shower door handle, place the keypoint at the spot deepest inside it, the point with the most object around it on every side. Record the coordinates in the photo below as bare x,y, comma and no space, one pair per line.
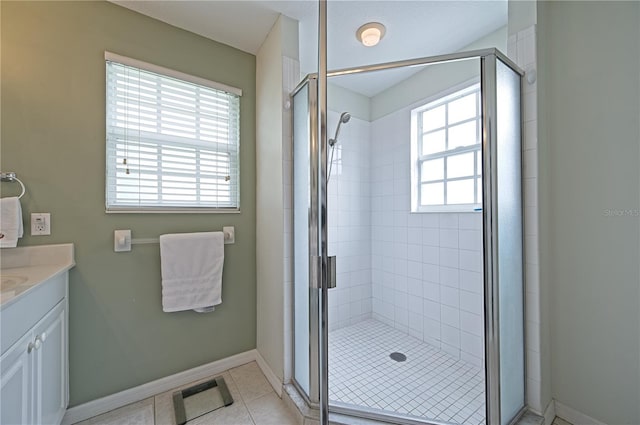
331,268
315,264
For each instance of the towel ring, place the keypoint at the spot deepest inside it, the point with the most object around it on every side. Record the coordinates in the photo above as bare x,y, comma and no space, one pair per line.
11,177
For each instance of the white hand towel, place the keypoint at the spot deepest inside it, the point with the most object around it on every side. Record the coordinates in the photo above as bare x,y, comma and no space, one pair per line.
11,227
191,266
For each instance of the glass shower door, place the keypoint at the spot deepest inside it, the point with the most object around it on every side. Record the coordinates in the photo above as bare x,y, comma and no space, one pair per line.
406,340
413,277
305,230
504,279
510,242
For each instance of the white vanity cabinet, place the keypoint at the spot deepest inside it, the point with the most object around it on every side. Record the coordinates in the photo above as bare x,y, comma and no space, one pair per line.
34,368
50,367
15,393
34,373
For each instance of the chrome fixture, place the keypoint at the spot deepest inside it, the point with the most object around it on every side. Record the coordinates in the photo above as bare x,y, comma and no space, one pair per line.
344,118
11,177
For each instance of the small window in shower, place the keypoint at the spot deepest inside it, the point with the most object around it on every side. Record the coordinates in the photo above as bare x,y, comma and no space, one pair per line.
446,152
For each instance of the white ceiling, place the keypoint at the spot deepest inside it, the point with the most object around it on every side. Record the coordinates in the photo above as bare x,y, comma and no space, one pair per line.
417,28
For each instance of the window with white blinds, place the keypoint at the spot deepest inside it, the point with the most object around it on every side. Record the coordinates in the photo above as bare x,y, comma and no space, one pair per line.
172,140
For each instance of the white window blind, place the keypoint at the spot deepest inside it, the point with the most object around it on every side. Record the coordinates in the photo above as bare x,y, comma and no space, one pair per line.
172,144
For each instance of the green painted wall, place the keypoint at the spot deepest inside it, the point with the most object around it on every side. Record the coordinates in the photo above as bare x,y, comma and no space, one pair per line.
589,141
53,136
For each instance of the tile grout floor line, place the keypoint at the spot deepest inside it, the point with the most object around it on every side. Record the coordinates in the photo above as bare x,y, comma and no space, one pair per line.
243,401
255,403
430,384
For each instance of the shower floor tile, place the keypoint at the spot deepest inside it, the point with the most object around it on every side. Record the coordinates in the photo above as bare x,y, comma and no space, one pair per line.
430,384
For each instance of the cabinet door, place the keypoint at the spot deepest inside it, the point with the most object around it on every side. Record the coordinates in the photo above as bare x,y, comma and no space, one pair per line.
50,367
16,387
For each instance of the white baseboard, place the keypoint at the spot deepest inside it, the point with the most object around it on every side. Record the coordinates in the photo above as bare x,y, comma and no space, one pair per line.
550,413
132,395
573,416
271,377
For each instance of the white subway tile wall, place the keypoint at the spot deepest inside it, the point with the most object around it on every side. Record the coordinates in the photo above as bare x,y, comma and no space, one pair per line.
426,267
349,220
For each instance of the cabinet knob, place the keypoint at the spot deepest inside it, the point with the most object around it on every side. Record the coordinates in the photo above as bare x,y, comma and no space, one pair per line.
30,347
38,342
43,336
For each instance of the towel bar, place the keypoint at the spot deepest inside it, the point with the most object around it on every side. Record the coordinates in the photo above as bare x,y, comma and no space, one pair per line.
229,237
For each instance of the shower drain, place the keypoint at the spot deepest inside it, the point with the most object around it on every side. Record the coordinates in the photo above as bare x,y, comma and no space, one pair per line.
399,357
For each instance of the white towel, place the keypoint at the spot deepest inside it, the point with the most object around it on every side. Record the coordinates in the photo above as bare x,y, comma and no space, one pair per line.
11,227
191,266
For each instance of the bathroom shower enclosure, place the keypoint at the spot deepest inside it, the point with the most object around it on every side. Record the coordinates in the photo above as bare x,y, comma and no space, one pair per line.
453,353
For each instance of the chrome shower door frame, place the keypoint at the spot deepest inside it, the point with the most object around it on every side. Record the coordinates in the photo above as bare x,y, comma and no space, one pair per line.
318,264
490,241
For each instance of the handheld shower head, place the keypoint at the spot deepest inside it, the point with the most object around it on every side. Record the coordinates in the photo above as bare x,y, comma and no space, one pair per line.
344,118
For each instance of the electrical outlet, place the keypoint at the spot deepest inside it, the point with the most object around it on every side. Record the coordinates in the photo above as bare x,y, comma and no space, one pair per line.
40,224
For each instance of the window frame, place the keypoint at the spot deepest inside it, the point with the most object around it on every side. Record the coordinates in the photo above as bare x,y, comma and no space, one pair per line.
417,158
163,141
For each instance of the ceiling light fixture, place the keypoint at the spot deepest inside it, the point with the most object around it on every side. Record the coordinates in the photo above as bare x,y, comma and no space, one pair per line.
370,33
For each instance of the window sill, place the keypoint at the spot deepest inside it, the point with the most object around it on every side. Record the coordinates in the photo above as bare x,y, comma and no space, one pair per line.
449,209
173,211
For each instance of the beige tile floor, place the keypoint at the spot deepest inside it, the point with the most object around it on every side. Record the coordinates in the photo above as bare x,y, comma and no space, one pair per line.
255,403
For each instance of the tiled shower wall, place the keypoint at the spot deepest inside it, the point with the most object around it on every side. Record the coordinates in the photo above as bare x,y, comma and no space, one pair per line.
426,267
350,222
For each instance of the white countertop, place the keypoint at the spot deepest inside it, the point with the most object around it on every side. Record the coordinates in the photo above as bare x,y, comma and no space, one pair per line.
22,269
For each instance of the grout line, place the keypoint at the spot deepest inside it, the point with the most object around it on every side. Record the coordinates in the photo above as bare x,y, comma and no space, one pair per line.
241,399
245,403
446,378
